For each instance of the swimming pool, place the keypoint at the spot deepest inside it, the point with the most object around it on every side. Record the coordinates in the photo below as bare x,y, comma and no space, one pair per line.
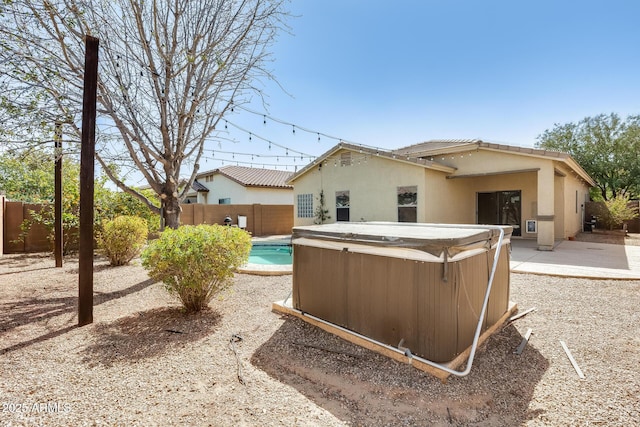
271,254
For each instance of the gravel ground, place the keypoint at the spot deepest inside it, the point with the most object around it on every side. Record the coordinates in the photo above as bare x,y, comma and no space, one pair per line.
143,363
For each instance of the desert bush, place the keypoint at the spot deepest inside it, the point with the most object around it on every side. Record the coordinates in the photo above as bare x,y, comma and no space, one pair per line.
111,204
619,211
196,262
611,214
122,238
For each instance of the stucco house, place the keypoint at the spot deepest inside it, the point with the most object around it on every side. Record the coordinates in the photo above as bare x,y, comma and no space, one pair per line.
540,193
241,185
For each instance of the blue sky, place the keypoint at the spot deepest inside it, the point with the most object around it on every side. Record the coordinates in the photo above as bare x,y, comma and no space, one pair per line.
390,74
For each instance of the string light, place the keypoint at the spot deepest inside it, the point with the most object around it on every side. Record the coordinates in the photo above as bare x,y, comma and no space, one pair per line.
253,155
271,143
232,106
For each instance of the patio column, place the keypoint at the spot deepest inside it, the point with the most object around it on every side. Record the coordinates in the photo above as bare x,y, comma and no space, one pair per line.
546,214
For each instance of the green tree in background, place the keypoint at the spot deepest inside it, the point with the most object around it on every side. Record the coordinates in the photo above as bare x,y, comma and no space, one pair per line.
29,177
168,73
607,147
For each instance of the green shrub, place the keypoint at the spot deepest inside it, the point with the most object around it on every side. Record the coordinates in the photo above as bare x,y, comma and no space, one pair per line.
618,211
123,238
196,262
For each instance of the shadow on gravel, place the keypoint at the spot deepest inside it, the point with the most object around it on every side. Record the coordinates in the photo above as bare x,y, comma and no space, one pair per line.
148,334
35,309
20,263
361,387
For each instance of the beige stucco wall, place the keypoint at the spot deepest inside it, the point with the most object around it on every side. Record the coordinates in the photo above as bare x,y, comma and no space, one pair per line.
373,189
372,186
463,190
576,194
462,204
222,187
558,206
488,161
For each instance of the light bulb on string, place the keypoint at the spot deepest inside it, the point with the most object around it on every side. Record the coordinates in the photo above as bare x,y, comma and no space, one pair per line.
294,129
264,120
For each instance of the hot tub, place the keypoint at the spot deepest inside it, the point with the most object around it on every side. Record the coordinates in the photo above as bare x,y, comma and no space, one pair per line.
415,286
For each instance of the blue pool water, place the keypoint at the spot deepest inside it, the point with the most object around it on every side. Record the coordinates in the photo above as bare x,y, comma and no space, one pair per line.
271,254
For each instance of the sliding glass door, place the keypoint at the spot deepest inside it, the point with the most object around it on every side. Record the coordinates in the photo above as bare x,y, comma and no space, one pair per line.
500,208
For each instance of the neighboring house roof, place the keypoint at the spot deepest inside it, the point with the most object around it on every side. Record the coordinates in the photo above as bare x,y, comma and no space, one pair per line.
199,187
428,164
437,147
252,177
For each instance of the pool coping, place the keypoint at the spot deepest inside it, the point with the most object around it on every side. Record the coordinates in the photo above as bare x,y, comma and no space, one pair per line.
266,270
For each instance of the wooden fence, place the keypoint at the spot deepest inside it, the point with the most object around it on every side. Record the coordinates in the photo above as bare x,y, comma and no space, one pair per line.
598,209
12,215
262,220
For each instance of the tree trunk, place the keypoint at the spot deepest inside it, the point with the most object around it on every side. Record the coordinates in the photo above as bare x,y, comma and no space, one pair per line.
172,211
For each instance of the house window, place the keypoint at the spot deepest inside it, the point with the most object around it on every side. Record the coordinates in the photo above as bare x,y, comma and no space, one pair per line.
408,204
342,205
345,159
225,201
305,205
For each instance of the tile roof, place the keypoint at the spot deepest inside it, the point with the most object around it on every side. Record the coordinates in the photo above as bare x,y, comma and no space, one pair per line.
424,153
252,177
199,187
435,144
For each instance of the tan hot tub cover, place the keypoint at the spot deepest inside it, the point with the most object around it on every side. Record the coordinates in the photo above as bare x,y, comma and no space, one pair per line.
419,284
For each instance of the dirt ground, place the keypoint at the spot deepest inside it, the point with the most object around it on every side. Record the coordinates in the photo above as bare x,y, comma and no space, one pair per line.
143,362
610,237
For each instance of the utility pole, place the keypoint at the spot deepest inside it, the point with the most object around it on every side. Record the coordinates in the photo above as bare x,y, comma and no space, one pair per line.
58,230
87,154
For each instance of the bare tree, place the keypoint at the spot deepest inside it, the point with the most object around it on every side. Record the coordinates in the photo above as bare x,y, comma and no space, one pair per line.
169,71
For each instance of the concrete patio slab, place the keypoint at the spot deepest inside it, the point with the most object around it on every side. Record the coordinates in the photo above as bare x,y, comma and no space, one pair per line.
577,259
